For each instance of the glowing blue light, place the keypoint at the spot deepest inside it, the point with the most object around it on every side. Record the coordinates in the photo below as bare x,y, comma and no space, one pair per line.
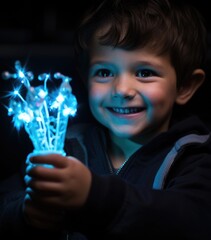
21,74
43,114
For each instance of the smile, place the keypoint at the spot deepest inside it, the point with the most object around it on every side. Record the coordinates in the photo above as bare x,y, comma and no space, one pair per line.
126,110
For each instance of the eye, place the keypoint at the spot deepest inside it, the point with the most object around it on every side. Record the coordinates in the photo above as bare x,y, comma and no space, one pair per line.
145,73
103,72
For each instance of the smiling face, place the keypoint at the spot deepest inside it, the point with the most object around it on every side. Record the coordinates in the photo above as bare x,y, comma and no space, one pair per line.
131,92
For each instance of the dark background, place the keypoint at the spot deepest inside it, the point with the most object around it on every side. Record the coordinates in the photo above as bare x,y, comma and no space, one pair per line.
40,35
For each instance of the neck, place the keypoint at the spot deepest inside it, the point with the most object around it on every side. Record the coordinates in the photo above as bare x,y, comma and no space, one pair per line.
120,149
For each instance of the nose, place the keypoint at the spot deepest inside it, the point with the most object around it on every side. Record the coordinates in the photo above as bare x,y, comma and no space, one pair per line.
123,87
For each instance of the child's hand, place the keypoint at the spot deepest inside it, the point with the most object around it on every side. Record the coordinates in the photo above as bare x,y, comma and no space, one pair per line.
64,186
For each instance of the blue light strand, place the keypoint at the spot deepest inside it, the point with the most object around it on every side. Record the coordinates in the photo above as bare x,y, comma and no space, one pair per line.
43,114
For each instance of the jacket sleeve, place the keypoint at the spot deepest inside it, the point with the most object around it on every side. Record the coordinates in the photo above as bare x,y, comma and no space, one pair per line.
120,210
11,199
12,224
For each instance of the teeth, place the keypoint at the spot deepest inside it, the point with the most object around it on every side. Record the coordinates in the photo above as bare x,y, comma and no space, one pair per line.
126,110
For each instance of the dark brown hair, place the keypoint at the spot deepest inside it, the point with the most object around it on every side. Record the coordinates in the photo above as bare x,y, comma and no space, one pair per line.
165,26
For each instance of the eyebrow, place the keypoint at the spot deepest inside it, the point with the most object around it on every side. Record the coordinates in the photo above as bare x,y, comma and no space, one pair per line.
100,62
142,63
150,64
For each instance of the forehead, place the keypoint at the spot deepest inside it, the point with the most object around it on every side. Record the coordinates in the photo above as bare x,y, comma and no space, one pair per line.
108,55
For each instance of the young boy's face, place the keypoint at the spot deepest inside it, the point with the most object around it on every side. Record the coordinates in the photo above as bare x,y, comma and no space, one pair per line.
131,92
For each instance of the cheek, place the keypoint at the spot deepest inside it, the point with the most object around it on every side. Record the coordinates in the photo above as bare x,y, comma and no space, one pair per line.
94,95
161,96
96,100
97,92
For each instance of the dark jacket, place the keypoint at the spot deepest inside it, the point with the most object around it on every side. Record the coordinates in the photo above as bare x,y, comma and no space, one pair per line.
151,196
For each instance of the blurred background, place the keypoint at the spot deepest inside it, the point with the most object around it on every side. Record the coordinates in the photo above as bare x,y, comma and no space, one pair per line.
40,35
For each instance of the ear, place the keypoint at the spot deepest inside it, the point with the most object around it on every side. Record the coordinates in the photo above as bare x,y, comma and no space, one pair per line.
186,92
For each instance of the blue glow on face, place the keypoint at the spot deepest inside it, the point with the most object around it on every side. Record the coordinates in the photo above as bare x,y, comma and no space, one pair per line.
43,114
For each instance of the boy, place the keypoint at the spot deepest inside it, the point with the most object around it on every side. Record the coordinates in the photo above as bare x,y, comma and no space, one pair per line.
137,173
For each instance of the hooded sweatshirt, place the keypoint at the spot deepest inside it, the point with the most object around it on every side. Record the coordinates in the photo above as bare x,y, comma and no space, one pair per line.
163,190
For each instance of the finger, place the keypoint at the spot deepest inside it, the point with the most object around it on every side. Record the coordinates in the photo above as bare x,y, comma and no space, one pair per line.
56,160
43,173
43,188
27,179
42,207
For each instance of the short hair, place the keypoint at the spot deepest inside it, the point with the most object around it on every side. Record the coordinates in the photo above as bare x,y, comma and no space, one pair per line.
170,27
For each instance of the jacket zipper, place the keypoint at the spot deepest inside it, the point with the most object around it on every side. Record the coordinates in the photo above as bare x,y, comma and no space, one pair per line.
120,168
